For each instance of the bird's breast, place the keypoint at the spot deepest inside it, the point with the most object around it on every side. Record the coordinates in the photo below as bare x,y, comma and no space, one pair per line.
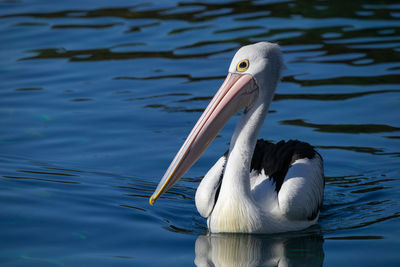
233,215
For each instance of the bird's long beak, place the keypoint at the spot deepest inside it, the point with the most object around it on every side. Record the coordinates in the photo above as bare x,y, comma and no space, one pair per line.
238,91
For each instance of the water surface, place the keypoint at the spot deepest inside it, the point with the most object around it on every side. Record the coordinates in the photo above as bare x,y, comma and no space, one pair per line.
97,96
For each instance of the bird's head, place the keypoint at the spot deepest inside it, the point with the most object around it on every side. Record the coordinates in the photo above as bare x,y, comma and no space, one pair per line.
263,61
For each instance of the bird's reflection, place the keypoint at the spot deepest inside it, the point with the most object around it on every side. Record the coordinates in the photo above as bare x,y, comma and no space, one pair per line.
259,250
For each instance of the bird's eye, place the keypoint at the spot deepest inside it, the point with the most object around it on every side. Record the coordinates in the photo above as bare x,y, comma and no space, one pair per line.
242,65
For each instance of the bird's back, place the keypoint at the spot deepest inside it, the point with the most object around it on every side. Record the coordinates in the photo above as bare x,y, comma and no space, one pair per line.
288,175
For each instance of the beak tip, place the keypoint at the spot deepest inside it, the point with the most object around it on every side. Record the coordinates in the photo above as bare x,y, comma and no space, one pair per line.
151,201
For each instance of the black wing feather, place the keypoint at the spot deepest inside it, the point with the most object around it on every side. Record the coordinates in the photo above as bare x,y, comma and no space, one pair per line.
276,159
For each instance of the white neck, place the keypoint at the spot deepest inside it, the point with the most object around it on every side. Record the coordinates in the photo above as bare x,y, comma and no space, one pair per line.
236,178
235,210
237,171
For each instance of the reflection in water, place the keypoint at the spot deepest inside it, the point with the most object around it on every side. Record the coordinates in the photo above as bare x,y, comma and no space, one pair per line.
369,150
343,128
188,77
333,40
55,175
330,96
29,89
89,26
258,250
174,109
355,80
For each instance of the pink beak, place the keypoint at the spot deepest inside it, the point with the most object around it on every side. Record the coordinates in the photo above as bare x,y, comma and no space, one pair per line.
237,92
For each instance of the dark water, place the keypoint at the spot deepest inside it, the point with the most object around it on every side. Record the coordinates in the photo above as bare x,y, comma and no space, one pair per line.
97,96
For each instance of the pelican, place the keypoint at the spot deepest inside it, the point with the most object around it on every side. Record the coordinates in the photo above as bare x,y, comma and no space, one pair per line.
256,186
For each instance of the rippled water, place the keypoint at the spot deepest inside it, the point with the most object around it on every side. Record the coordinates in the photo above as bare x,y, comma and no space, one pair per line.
97,96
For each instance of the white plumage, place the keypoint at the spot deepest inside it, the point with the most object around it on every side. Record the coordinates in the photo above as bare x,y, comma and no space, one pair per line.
287,210
285,191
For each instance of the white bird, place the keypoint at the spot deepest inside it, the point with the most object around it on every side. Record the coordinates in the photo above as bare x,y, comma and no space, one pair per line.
257,186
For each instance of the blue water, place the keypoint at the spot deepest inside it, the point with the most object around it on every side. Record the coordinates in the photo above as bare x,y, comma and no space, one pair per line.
96,97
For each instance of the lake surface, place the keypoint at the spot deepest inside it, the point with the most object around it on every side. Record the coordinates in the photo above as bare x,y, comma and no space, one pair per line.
96,97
